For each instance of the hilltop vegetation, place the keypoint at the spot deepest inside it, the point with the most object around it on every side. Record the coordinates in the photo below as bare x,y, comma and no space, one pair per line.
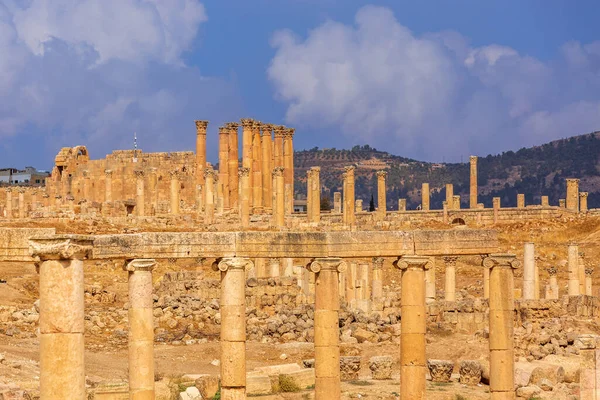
535,171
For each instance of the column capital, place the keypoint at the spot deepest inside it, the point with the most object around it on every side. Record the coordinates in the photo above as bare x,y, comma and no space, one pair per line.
406,262
58,196
256,126
327,263
582,254
108,172
450,260
174,173
229,263
140,264
501,260
377,262
45,195
266,129
288,133
473,159
589,270
34,192
315,169
201,126
349,169
278,171
8,190
232,126
210,172
61,247
223,130
583,194
243,171
572,181
247,123
279,130
552,271
138,173
21,189
381,174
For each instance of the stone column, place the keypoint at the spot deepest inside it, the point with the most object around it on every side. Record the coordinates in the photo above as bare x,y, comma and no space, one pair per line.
456,202
502,308
473,181
200,150
257,199
573,194
358,205
364,293
327,347
233,164
351,285
552,287
274,268
589,384
545,202
588,281
350,217
377,288
430,283
58,200
139,193
288,163
401,204
412,337
267,167
108,185
381,195
581,272
279,206
450,195
520,200
224,165
315,193
309,197
337,202
445,207
247,137
34,199
486,278
209,192
61,322
529,271
562,203
233,326
450,278
278,132
536,277
496,205
244,178
86,186
153,190
46,200
583,205
141,329
573,265
22,207
175,187
425,197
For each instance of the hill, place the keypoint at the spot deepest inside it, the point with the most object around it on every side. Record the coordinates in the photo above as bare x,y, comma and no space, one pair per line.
535,171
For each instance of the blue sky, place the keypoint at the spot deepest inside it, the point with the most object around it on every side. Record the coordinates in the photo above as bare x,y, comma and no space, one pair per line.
432,80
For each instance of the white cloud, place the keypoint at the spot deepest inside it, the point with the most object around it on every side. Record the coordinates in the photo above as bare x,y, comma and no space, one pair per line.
431,96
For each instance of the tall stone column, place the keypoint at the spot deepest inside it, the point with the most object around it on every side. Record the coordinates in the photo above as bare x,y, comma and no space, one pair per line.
573,194
233,326
267,167
153,190
309,197
425,197
200,150
496,206
141,329
520,200
381,195
22,206
288,164
351,277
327,346
234,164
363,288
486,278
430,283
583,204
552,287
108,185
536,278
209,192
244,177
139,193
247,137
412,337
581,272
86,186
529,271
377,288
175,187
573,266
502,308
279,206
315,193
562,203
473,181
224,164
445,207
61,322
349,212
450,195
337,202
588,281
450,278
257,199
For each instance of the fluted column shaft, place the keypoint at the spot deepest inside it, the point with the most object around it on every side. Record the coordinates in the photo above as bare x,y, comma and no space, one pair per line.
200,150
22,207
279,206
425,196
257,199
377,288
315,193
266,167
244,178
247,137
529,271
288,163
233,161
349,211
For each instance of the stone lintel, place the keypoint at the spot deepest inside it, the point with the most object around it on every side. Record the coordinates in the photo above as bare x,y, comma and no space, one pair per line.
61,247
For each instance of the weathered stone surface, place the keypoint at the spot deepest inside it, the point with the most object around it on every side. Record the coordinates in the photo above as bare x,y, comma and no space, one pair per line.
470,372
527,392
349,368
440,370
553,373
257,384
207,385
571,366
381,367
303,378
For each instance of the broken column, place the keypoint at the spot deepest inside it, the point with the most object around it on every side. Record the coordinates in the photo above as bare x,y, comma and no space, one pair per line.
141,329
349,214
529,271
309,198
520,200
327,306
413,367
315,193
425,196
573,266
175,187
200,150
337,202
244,199
209,200
502,308
544,201
445,212
401,204
61,321
139,193
233,326
583,205
456,202
233,161
267,167
450,278
279,206
473,182
288,164
108,185
381,195
552,287
496,206
450,195
572,202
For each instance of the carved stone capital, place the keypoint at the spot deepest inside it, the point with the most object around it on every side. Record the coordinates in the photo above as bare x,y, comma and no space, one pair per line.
450,261
501,260
45,195
349,170
327,263
582,254
316,169
406,262
108,172
278,171
21,189
61,247
223,130
226,264
279,131
552,271
589,271
583,195
266,129
138,173
174,174
140,264
247,123
201,127
243,171
377,262
473,159
210,173
381,174
288,134
8,190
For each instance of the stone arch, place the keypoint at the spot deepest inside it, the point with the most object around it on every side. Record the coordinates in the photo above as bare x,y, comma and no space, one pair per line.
458,221
80,153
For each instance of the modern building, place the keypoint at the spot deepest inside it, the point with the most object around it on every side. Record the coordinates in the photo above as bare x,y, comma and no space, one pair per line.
27,176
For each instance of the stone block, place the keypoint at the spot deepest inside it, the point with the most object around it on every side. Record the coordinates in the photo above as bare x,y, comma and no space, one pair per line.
571,366
470,372
553,373
303,378
440,370
349,368
208,385
279,369
381,367
257,384
528,392
190,393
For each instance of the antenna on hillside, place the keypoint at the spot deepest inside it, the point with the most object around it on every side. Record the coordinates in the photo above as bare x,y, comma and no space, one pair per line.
135,147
